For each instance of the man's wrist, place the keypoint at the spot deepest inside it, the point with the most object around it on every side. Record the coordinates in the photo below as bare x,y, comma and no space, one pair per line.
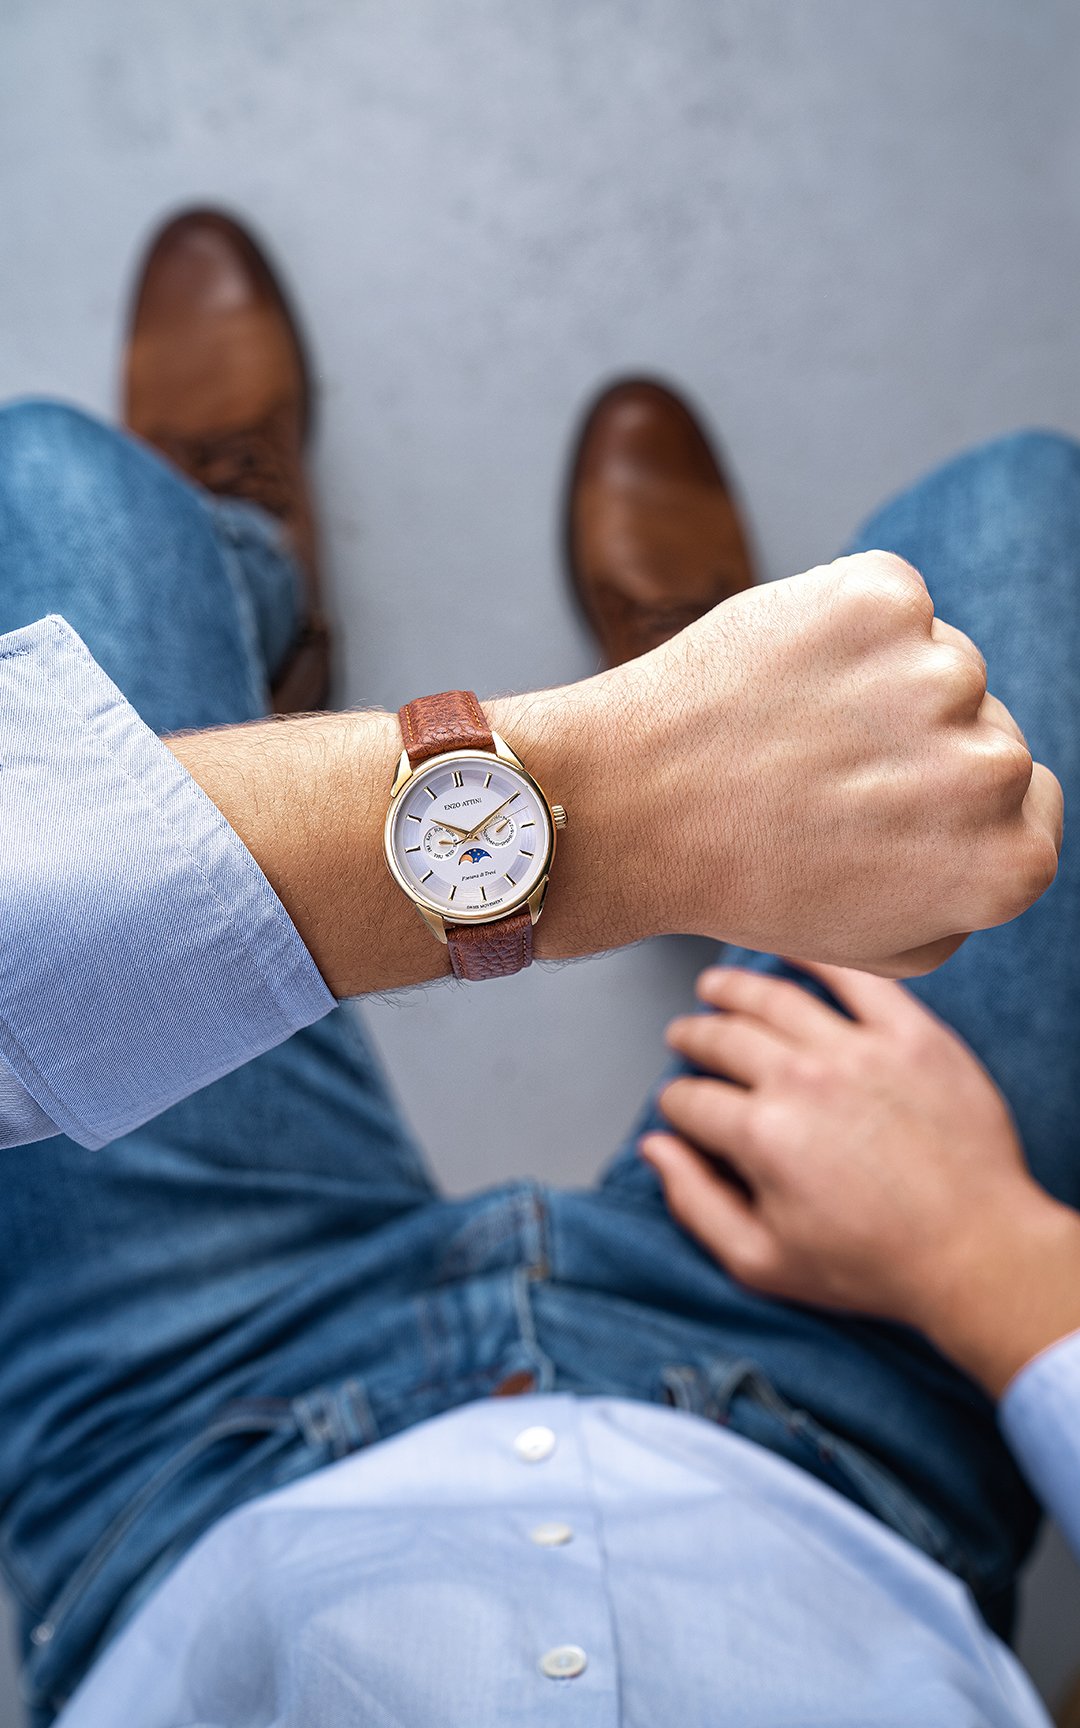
572,743
1013,1291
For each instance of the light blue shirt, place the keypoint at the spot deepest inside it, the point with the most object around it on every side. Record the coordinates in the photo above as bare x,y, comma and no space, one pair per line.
524,1561
144,953
590,1562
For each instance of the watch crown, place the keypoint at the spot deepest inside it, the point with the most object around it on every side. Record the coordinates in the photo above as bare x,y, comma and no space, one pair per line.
558,815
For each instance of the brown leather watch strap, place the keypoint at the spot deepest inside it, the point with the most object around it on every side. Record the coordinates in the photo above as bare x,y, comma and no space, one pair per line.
452,721
455,721
479,951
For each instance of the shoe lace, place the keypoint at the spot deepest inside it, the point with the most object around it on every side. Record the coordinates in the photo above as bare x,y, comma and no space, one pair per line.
251,462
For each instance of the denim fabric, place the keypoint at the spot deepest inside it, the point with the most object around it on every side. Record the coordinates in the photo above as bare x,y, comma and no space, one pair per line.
264,1278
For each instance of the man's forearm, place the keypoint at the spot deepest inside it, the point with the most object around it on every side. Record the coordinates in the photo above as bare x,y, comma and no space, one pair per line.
308,797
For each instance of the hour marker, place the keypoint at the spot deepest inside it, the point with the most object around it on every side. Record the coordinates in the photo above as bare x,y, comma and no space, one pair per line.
432,795
528,824
483,894
412,848
487,782
526,854
414,818
453,891
508,876
458,781
428,877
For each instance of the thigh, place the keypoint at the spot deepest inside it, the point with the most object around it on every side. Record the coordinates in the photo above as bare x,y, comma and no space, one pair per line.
158,1243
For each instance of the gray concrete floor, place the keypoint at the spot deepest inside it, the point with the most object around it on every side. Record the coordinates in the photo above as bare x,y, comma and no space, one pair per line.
852,230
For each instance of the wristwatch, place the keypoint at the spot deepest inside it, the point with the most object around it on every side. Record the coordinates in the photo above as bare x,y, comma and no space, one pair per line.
469,836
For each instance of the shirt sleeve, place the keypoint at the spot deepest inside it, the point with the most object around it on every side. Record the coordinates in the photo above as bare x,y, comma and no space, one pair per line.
1040,1417
144,954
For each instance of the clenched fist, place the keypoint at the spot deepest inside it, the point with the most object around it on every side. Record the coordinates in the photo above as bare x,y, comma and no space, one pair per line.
826,776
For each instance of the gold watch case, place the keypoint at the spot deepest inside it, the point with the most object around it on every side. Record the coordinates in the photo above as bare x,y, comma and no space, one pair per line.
431,914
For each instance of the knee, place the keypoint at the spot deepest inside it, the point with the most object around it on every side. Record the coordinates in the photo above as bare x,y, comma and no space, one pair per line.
49,450
1028,470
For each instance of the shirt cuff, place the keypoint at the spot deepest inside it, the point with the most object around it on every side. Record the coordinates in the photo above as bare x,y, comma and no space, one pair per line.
1040,1418
145,954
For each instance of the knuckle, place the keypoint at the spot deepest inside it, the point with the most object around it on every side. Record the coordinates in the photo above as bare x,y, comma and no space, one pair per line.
962,671
1023,879
808,1071
1008,767
1042,866
770,1128
889,582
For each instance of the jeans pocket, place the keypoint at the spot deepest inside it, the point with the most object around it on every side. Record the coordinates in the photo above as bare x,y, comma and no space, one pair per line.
738,1395
250,1446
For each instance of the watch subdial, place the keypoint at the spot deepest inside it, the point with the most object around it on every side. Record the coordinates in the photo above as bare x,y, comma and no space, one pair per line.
501,831
439,842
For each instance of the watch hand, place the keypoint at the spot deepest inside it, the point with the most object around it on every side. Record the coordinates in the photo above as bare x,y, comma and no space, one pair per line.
439,823
486,823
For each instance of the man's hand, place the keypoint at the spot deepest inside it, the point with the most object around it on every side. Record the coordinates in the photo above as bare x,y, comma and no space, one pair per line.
868,1164
829,778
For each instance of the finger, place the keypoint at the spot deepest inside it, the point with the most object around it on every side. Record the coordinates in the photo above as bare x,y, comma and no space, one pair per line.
783,1006
876,1001
729,1044
710,1208
712,1113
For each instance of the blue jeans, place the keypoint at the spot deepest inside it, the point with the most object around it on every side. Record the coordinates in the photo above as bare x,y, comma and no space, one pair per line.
265,1279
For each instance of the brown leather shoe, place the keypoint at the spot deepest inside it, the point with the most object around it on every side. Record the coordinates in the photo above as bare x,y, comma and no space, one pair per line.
215,378
654,537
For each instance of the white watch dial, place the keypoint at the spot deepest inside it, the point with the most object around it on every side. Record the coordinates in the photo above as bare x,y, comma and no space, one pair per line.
470,836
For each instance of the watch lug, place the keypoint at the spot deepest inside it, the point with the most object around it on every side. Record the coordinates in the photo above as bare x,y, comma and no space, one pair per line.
536,899
434,923
404,773
503,750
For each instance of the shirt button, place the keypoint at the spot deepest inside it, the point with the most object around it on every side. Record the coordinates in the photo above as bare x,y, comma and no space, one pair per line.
551,1535
533,1445
565,1662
